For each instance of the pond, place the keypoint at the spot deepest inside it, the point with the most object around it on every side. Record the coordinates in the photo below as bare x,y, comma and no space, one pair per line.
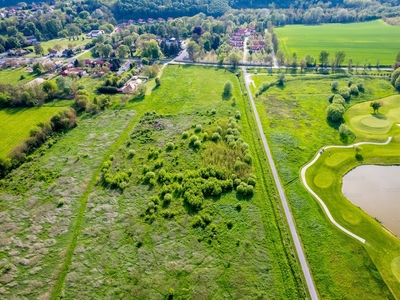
376,190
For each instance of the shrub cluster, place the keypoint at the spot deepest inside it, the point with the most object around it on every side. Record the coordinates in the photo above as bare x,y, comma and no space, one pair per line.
107,89
263,87
117,180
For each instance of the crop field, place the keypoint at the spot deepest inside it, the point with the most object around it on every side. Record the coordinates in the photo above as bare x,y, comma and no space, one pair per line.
367,41
16,124
166,197
295,124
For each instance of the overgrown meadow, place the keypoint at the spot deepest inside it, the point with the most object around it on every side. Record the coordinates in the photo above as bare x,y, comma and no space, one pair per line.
165,197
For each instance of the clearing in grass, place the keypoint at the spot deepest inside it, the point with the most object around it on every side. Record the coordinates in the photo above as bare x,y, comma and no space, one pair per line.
362,42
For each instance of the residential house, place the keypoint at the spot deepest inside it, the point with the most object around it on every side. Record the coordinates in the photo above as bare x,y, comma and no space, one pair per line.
131,86
95,33
73,71
141,21
55,53
31,39
150,20
160,20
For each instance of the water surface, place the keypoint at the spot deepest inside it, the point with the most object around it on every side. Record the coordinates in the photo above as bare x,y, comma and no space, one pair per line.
376,190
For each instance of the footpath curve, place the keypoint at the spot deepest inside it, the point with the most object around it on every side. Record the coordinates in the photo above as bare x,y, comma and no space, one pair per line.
296,240
325,208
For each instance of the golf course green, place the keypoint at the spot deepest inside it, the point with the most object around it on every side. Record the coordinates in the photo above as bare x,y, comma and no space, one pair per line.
324,177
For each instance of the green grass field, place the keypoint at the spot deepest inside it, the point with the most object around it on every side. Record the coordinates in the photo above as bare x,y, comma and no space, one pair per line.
63,42
294,120
13,76
382,246
367,125
16,123
371,41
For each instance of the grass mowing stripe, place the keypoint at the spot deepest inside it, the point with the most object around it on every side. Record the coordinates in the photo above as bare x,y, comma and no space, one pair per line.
81,213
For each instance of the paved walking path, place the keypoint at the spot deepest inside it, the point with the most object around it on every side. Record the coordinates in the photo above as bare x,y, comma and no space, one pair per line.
289,217
326,210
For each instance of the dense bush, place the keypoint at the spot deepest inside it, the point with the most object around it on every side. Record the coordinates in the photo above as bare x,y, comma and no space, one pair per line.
107,89
345,93
335,85
335,112
263,87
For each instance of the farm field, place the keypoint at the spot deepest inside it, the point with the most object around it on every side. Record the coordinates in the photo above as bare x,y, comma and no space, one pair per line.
16,123
366,41
295,124
104,212
13,76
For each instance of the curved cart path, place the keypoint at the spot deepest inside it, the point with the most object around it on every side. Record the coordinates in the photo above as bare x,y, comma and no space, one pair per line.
326,210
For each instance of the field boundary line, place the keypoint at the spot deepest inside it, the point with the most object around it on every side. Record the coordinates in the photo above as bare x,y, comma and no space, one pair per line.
322,203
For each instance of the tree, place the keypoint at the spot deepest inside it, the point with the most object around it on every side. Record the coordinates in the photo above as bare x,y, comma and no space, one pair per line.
53,26
38,49
192,48
394,76
122,51
303,64
375,106
334,85
234,58
228,88
335,112
324,58
49,86
280,57
343,130
339,58
281,79
37,68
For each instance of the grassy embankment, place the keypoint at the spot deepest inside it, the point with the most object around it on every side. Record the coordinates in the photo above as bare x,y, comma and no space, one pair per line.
366,41
16,124
294,119
235,249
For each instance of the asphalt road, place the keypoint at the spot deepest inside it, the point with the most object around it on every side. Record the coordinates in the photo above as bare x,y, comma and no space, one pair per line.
299,249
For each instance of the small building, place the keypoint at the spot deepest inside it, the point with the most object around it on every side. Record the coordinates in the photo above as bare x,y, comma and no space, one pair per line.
131,86
141,21
73,71
150,20
160,20
31,39
95,33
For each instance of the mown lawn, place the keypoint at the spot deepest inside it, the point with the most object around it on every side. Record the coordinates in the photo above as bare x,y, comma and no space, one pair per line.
13,76
63,42
16,124
366,41
294,120
382,246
